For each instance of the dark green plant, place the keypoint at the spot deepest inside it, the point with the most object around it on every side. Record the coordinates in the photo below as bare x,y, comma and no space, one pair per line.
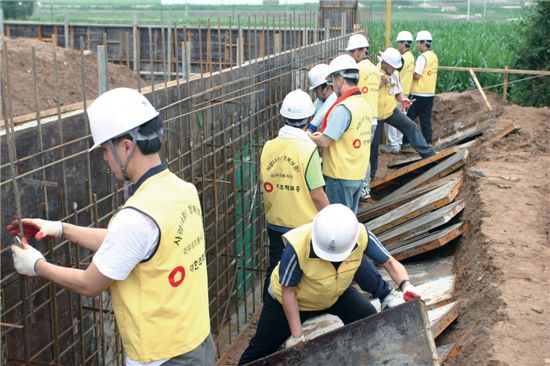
17,9
532,52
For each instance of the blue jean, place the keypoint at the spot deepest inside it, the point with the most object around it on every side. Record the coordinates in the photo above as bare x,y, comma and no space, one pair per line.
346,192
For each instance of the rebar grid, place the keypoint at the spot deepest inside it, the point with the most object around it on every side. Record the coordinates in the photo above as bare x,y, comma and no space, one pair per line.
215,127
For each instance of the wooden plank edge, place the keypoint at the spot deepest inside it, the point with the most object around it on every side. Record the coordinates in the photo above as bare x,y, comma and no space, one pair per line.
437,243
511,128
443,322
444,352
412,167
433,206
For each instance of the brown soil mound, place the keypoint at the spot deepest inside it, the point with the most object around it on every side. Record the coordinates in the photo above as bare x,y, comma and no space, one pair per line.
451,111
503,262
69,71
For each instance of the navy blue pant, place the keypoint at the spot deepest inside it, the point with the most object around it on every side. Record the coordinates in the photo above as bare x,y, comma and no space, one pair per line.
422,107
273,328
276,247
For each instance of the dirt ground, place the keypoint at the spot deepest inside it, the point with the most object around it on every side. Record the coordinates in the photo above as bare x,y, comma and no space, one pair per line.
69,71
503,262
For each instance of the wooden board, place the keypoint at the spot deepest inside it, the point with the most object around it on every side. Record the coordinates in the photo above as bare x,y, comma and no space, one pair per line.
430,201
511,128
385,205
444,352
466,133
384,181
441,170
442,317
426,270
398,336
420,225
431,242
438,292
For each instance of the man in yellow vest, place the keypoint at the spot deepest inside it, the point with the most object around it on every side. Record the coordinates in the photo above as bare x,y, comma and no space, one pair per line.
152,255
424,83
345,135
314,276
388,98
369,83
291,176
394,137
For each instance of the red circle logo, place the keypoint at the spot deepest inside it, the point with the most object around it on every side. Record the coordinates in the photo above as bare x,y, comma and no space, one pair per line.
268,187
429,72
356,143
365,89
177,276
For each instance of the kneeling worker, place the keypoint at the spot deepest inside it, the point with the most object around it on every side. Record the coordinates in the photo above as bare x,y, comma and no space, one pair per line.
314,276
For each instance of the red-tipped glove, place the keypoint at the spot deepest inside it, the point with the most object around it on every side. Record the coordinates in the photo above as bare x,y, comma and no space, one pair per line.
406,103
409,292
37,228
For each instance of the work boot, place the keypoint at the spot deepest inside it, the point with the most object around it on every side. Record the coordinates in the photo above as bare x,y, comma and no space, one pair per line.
392,299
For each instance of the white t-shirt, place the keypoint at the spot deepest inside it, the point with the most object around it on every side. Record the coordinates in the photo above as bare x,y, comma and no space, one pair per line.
321,108
418,69
132,237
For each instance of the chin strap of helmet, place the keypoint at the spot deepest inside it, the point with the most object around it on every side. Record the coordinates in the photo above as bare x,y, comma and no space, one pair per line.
123,166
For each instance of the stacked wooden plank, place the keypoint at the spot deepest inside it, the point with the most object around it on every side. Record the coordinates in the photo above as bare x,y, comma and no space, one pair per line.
418,211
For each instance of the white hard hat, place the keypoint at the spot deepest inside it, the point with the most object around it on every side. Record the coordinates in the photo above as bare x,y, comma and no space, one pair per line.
317,75
297,105
424,35
334,232
342,63
392,57
357,41
118,111
404,36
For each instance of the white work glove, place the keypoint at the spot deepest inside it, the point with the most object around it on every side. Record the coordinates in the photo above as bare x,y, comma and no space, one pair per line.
25,259
292,341
409,292
37,228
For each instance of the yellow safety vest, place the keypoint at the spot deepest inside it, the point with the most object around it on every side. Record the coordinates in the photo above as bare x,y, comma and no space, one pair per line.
407,72
348,158
369,82
162,307
386,102
321,284
283,166
426,84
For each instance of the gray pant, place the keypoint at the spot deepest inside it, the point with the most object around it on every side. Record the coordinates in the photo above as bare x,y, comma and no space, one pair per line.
203,355
404,124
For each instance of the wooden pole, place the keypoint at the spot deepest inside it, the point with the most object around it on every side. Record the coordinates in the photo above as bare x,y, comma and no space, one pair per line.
102,69
388,23
481,90
505,89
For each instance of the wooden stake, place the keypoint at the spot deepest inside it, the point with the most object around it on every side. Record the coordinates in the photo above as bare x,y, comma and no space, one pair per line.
481,90
505,91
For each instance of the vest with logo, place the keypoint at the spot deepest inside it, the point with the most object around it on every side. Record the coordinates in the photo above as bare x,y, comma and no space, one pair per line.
407,72
426,84
386,101
162,307
369,82
348,157
321,284
283,167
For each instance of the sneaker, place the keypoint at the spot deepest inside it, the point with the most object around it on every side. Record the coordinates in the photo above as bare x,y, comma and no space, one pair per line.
388,149
404,146
392,299
364,197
